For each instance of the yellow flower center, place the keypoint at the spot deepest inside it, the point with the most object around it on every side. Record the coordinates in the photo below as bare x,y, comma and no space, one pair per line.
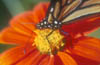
47,41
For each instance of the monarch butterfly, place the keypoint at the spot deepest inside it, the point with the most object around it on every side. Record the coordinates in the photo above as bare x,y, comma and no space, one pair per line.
64,11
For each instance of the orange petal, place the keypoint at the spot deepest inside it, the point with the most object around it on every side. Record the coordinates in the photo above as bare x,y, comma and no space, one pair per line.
31,59
88,48
51,60
9,35
23,23
39,12
83,25
27,21
57,60
84,61
44,61
48,60
66,59
12,55
19,56
37,60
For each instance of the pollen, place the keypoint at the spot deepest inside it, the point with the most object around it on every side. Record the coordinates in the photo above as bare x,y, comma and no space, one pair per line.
48,41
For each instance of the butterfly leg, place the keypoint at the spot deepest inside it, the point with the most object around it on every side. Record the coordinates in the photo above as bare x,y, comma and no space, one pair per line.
49,35
66,33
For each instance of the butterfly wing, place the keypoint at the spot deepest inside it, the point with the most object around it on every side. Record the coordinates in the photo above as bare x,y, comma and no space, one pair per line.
90,2
82,12
54,10
69,8
61,8
87,8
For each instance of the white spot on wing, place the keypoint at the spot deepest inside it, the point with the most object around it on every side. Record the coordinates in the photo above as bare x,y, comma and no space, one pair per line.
41,23
55,22
45,22
51,10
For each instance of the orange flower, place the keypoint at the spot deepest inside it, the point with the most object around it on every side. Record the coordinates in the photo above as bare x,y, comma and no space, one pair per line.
78,49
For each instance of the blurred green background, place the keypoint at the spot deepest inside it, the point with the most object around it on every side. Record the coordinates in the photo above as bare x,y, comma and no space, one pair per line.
10,8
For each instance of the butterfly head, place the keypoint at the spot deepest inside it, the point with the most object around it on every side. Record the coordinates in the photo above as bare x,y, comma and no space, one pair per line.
44,24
